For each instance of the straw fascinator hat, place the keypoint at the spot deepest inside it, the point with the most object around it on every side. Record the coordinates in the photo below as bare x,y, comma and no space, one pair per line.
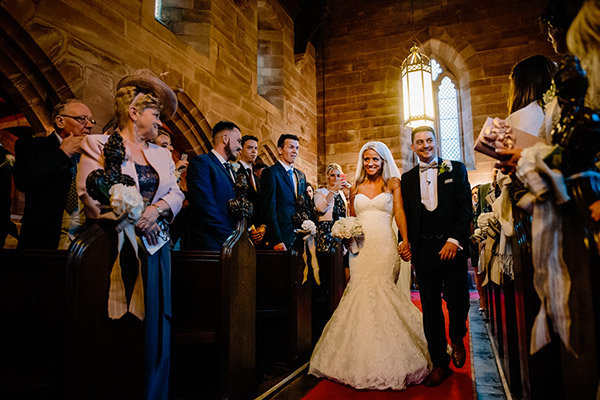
146,81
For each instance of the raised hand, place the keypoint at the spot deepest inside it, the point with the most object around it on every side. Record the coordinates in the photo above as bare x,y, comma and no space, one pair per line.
71,145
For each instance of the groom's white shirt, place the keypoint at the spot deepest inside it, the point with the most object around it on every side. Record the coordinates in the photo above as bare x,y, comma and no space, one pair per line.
428,186
429,198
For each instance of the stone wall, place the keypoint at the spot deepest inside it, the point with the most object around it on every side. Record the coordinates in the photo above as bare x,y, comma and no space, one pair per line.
208,49
365,43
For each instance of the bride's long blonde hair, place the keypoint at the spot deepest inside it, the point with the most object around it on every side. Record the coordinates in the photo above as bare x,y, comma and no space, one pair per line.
388,166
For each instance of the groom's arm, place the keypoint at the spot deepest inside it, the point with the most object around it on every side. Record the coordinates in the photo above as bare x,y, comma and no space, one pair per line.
463,211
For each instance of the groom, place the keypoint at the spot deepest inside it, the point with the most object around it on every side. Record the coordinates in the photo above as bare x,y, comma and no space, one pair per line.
437,203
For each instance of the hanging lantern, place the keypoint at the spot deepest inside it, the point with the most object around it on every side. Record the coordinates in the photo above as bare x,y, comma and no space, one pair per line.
416,89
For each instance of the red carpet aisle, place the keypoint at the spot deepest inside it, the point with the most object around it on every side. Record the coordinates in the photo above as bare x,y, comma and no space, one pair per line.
458,386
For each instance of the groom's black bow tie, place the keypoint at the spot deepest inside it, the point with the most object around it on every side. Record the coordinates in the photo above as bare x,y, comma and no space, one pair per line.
425,167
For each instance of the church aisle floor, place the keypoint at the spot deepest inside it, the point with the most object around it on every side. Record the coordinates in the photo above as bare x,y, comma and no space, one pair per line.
487,384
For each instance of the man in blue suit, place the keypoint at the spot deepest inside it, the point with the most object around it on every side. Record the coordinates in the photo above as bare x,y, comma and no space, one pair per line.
281,183
210,180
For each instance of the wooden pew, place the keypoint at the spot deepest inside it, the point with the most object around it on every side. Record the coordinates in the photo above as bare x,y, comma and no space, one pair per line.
32,300
214,314
283,308
213,308
327,295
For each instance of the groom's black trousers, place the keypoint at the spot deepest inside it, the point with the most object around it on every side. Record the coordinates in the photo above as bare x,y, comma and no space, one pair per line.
450,278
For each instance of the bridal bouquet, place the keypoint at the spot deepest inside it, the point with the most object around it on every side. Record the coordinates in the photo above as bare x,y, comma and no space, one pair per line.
346,228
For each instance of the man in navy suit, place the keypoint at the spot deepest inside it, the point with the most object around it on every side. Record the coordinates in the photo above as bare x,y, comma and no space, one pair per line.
247,157
210,180
437,203
281,183
45,170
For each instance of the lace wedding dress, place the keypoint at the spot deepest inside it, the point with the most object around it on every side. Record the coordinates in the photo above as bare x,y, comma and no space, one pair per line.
375,339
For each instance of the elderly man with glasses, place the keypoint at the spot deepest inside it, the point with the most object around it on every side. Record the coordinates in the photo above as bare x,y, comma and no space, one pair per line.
45,171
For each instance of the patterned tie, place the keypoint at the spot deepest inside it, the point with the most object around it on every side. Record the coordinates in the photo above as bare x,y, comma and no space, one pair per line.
229,170
72,202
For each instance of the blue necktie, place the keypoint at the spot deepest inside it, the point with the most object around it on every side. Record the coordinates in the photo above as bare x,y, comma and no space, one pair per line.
290,173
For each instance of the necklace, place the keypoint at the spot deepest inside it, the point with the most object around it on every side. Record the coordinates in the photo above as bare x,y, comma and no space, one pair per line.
138,146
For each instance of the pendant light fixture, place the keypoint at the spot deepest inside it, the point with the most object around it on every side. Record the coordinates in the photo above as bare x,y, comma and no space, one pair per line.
417,89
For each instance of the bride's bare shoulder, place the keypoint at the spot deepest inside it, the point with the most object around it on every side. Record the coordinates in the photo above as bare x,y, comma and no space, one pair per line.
393,184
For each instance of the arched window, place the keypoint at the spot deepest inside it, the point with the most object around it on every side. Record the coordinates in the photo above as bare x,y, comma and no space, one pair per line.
446,96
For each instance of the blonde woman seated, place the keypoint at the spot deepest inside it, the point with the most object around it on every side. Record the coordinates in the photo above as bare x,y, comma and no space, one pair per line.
375,339
330,204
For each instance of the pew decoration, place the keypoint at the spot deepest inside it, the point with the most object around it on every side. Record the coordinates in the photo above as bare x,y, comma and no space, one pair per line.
549,173
120,201
307,231
240,207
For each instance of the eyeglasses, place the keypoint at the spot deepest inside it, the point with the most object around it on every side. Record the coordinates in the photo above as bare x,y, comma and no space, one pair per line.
81,119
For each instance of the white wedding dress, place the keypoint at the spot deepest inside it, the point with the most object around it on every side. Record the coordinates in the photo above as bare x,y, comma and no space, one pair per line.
375,339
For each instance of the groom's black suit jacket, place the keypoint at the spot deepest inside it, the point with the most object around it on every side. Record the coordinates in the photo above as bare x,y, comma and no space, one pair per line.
454,205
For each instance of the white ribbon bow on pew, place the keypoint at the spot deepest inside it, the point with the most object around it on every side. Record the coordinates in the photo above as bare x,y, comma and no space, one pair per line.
309,230
551,279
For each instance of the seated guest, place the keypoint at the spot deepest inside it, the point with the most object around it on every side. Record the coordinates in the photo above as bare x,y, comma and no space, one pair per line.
210,181
281,184
140,102
45,171
330,204
246,159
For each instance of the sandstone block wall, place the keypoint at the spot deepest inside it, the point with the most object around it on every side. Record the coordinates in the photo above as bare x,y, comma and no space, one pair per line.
364,45
209,51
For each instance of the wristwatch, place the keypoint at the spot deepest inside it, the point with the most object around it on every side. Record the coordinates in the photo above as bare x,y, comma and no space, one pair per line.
160,210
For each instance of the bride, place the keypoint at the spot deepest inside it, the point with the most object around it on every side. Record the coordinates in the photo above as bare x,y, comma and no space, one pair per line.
375,340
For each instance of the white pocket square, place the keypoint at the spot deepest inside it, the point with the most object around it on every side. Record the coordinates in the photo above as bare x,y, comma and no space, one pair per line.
448,180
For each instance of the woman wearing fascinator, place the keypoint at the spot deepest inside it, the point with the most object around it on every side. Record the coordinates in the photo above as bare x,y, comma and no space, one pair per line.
375,340
142,101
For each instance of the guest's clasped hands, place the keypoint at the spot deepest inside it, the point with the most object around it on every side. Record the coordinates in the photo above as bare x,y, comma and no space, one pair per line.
148,226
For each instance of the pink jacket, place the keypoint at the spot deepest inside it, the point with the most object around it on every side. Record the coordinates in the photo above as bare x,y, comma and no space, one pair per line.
158,157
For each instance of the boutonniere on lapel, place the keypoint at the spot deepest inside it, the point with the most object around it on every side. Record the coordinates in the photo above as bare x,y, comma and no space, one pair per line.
445,166
235,166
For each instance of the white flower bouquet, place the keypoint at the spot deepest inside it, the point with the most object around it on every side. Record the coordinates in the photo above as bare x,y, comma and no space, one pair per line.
126,201
309,227
346,228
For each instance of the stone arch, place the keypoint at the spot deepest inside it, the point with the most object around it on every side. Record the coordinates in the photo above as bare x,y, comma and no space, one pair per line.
267,153
192,134
28,76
